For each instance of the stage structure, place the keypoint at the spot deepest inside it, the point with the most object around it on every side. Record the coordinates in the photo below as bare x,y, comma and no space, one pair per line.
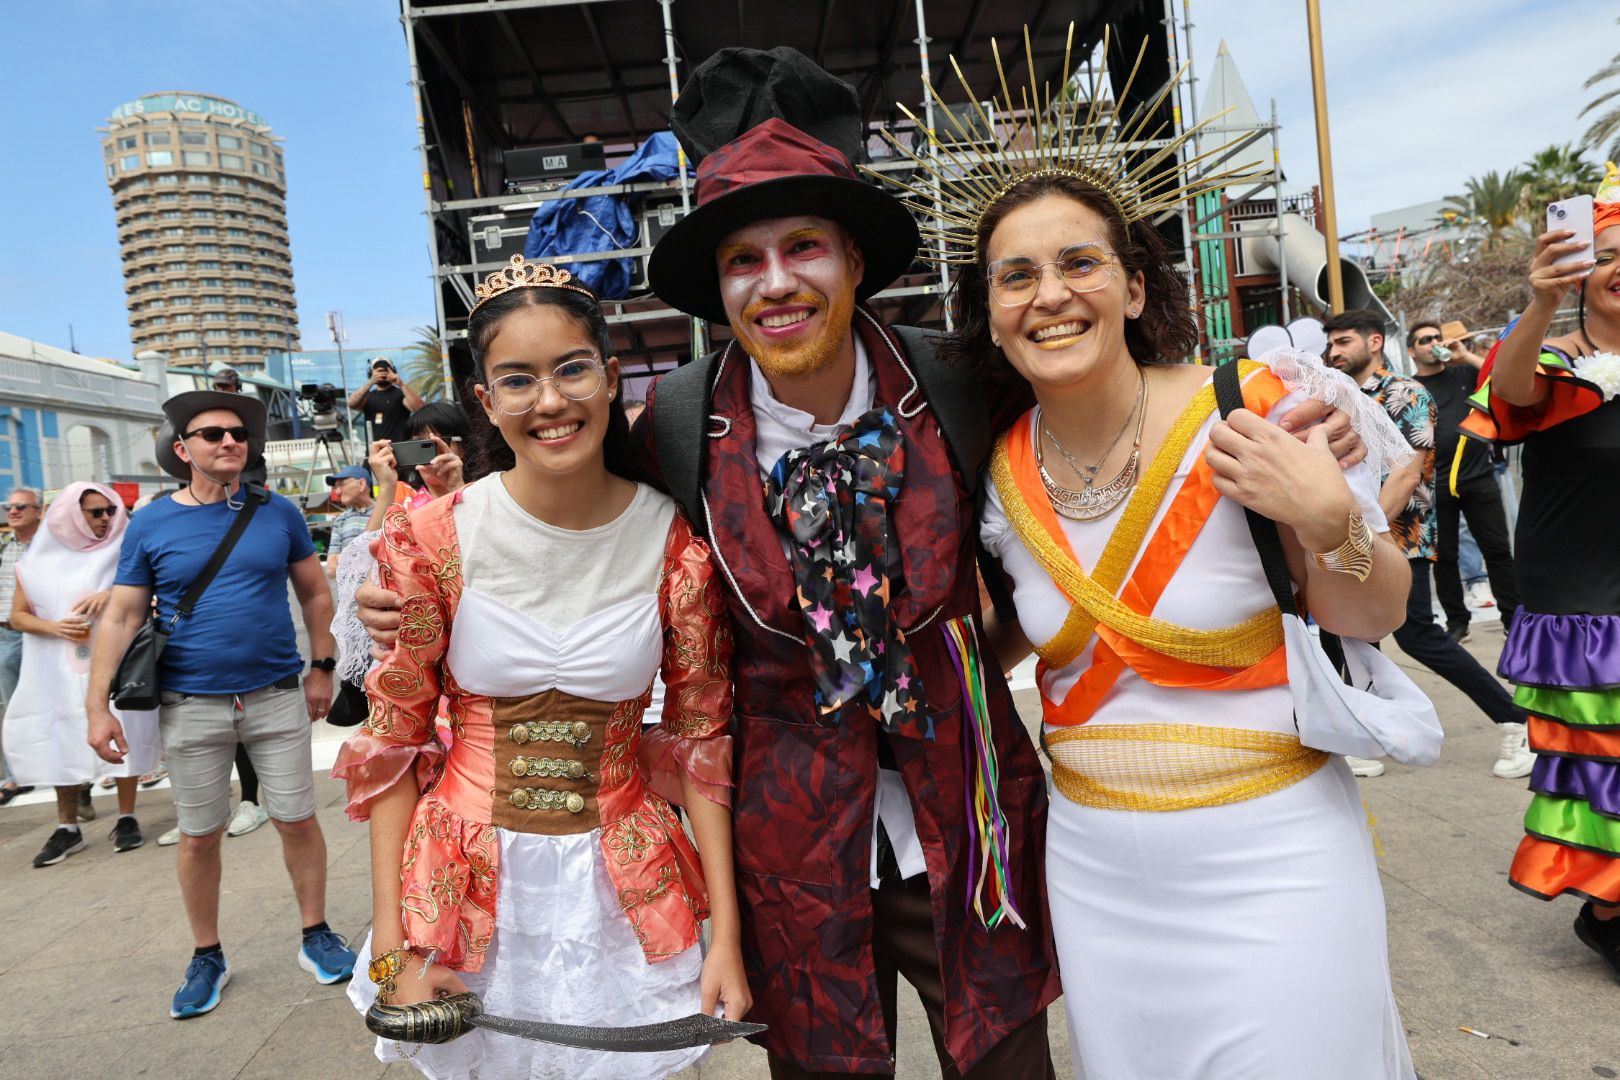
516,98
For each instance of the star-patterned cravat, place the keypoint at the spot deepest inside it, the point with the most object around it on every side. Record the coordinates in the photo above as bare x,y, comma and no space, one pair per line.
832,499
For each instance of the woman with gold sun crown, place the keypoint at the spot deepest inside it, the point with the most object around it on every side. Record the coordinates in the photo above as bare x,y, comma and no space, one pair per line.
1213,889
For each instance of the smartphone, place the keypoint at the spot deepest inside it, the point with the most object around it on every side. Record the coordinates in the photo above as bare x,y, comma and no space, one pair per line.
409,453
1575,215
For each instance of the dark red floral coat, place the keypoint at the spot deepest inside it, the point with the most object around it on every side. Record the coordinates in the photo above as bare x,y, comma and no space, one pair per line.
805,791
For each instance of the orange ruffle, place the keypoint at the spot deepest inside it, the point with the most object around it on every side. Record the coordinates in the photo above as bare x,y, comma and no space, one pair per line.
371,765
1545,869
1552,738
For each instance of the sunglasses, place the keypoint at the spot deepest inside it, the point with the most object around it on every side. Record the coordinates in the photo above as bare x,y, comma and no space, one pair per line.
1428,339
20,506
101,511
216,434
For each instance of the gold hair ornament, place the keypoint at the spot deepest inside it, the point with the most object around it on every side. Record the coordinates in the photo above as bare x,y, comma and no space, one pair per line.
1141,181
519,274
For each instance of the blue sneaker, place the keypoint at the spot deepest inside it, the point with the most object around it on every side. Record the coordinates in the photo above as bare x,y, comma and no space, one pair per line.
206,976
326,956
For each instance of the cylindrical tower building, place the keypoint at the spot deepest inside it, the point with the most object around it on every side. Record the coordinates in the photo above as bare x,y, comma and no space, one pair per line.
199,192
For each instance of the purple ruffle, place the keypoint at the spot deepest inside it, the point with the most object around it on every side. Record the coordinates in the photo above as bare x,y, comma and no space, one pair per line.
1595,782
1563,652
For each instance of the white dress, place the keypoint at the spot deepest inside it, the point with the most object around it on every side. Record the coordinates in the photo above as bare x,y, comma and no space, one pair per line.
545,608
1237,941
46,725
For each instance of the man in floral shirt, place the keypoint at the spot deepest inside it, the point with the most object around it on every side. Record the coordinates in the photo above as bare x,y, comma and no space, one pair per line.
1355,347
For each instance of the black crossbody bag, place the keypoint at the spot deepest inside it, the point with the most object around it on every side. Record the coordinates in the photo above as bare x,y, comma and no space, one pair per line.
135,685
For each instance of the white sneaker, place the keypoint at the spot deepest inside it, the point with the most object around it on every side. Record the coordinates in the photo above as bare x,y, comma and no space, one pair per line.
1515,759
248,816
170,838
1480,595
1365,766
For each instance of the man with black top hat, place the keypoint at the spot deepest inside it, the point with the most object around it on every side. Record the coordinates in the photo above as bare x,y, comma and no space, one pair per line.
223,683
388,401
848,579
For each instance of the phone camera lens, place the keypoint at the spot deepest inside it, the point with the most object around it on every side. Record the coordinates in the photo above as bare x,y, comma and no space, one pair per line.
1562,213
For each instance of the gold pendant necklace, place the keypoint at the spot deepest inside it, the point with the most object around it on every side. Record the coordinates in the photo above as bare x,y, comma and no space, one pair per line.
1091,502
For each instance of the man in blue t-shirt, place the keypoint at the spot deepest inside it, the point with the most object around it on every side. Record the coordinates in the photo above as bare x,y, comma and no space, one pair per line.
230,672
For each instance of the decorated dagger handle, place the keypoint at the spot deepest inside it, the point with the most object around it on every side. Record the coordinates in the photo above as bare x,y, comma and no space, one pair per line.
438,1020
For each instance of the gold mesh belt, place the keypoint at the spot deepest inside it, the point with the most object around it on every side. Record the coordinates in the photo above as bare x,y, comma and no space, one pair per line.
1173,766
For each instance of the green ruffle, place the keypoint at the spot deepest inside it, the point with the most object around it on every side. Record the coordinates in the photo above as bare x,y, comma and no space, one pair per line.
1572,822
1598,709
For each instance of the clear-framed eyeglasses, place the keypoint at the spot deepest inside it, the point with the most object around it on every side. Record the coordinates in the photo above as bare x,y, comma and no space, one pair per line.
576,380
1084,268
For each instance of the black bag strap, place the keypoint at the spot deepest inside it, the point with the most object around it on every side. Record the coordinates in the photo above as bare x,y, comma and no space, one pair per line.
255,495
1229,397
680,425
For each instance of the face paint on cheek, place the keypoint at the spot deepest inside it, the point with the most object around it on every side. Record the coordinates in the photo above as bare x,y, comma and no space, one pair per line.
806,353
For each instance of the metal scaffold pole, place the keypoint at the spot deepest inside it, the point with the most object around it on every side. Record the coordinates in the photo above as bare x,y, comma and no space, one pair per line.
1276,183
1195,294
427,194
700,343
1324,155
933,185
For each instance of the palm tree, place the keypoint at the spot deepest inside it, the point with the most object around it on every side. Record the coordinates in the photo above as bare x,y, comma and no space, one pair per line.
1557,173
1606,128
424,367
1490,201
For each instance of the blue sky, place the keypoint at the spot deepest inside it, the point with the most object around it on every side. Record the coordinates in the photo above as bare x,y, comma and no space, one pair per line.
330,76
1423,95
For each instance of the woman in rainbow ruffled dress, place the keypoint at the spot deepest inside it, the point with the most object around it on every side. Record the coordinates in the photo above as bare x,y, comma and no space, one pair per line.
538,862
1213,887
1557,398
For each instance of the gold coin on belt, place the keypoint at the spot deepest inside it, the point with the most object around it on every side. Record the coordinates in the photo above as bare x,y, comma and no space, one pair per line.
576,769
582,730
576,802
519,734
520,767
520,798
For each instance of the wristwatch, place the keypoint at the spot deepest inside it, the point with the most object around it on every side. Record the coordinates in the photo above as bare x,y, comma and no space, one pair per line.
1354,556
328,664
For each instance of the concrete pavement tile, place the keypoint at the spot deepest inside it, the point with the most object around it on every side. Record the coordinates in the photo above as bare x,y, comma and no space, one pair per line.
115,931
317,1038
26,931
1441,1060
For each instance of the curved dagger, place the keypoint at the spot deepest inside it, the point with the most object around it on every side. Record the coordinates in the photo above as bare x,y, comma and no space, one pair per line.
444,1019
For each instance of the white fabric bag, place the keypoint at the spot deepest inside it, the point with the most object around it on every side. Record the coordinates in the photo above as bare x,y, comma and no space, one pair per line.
1374,710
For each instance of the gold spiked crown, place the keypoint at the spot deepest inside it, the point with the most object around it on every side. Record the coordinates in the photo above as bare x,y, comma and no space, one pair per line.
956,185
520,274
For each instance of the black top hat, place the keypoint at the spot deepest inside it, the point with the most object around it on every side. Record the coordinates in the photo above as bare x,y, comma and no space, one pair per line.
774,136
179,411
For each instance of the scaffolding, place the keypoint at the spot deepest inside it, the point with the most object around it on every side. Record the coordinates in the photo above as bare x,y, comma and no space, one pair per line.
496,75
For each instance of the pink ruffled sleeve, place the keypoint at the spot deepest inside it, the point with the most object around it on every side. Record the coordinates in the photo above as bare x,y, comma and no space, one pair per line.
400,735
694,739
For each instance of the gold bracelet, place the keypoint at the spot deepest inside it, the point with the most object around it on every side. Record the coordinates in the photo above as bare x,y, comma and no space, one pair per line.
1355,555
383,970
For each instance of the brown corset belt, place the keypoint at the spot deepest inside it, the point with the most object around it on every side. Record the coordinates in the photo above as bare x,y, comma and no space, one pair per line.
548,750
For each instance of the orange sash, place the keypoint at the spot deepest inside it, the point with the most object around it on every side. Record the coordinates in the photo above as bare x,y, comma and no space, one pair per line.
1245,656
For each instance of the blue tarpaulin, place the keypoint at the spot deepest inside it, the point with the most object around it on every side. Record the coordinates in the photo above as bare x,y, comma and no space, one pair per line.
601,222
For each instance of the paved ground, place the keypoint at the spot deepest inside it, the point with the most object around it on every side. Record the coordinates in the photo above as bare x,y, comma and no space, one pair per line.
91,950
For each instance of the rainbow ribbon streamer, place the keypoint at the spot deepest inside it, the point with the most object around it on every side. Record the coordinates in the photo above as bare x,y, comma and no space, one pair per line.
989,885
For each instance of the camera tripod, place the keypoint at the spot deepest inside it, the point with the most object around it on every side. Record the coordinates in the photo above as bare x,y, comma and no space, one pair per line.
324,441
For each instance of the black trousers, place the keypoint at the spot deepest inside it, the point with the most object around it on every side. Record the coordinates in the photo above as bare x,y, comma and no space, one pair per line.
1425,641
903,944
1480,502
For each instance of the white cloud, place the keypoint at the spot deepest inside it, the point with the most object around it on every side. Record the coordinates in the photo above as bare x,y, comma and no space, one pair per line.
1421,95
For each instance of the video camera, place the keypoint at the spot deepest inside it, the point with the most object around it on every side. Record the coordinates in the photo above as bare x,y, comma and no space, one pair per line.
322,398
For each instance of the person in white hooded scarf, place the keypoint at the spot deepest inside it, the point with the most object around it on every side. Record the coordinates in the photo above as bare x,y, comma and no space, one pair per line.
62,588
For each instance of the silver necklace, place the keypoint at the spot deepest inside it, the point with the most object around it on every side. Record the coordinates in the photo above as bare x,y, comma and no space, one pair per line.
1092,502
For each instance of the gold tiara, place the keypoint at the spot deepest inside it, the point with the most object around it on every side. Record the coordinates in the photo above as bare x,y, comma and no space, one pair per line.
1140,182
526,275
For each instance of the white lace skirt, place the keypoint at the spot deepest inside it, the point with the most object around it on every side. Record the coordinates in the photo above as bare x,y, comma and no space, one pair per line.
562,953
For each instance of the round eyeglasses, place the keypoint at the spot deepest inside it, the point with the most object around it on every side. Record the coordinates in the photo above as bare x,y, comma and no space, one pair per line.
1084,268
518,393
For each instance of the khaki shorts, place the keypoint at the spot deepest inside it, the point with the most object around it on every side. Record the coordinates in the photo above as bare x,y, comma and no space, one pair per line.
200,733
